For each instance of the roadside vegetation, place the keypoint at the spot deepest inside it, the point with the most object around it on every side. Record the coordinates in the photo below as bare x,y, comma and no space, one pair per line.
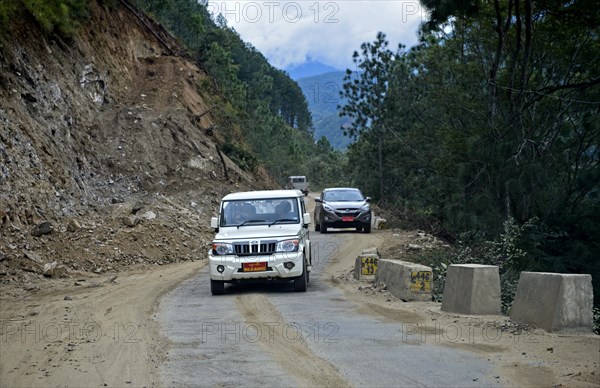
503,252
486,133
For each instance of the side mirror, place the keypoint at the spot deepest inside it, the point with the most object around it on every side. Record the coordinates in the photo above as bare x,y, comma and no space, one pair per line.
214,223
306,220
317,199
368,199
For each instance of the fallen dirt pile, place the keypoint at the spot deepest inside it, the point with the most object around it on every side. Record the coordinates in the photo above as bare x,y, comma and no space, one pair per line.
108,153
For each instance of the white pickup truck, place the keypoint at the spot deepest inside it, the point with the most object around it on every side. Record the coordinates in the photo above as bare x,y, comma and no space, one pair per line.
261,235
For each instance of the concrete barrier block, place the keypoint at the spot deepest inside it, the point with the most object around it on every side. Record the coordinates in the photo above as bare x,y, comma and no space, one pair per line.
370,251
472,289
555,302
365,266
380,223
405,280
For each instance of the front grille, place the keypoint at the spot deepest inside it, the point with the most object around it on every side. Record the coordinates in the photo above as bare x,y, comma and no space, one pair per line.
248,248
347,213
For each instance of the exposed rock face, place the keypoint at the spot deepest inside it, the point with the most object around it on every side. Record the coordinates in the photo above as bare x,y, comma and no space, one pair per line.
104,122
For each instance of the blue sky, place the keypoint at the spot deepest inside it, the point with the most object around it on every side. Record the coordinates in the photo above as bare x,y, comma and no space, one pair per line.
289,32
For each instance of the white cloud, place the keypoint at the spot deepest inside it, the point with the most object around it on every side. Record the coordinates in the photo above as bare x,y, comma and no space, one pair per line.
288,32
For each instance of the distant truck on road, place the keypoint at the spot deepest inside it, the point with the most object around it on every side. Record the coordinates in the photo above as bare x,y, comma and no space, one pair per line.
298,182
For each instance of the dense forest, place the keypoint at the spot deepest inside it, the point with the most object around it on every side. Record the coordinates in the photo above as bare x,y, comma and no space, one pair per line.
486,132
489,129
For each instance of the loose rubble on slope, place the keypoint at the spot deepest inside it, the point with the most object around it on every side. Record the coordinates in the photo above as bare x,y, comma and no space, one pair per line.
105,158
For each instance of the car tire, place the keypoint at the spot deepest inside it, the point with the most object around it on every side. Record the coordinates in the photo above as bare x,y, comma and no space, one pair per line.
367,229
217,287
323,228
317,226
359,229
301,281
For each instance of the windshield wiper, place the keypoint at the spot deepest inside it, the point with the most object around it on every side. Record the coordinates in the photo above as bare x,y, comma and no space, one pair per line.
282,220
249,221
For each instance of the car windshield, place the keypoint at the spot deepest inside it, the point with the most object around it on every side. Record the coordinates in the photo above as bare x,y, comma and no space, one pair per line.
252,212
342,196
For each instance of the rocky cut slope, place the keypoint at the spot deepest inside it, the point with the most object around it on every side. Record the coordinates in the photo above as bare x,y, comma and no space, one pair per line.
107,153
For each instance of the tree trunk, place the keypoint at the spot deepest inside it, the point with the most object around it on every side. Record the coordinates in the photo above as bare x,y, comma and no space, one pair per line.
380,161
497,59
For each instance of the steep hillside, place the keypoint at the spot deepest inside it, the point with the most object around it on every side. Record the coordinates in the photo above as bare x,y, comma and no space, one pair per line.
323,95
109,151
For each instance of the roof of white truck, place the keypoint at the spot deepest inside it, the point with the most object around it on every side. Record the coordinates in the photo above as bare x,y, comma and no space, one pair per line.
264,194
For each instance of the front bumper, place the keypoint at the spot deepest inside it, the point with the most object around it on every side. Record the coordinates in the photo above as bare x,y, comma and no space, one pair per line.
335,220
232,266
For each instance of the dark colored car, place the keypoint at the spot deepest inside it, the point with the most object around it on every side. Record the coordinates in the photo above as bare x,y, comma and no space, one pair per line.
342,207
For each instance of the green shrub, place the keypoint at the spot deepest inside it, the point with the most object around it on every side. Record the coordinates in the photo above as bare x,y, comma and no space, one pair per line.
7,10
504,252
111,4
243,158
62,16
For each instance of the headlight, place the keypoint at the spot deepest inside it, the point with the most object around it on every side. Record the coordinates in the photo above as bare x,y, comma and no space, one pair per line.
287,246
328,208
222,249
365,208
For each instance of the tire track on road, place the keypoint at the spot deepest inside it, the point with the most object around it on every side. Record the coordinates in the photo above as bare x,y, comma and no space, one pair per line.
291,352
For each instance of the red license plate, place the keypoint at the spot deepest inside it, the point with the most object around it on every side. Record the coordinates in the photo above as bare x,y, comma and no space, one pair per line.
347,219
254,267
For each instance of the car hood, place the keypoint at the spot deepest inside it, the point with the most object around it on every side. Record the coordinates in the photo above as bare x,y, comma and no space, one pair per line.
346,204
259,232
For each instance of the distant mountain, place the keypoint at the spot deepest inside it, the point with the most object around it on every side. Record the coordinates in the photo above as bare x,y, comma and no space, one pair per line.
323,96
308,69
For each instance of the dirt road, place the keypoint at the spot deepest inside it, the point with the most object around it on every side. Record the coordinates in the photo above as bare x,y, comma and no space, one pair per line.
99,333
162,327
269,335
